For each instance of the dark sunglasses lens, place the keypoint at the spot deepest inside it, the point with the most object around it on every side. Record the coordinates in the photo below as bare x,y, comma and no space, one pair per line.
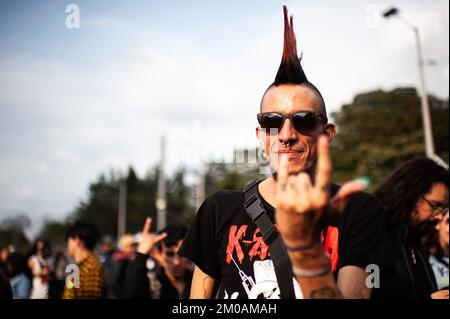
170,253
271,120
304,121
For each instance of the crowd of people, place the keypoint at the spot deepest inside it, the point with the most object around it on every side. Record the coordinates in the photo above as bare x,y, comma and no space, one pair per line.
147,265
149,268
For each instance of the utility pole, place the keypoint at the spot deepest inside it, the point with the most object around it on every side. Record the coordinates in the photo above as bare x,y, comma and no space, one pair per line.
122,214
428,132
161,194
425,106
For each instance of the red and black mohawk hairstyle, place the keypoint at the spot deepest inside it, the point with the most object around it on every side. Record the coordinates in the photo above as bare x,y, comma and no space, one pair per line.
290,70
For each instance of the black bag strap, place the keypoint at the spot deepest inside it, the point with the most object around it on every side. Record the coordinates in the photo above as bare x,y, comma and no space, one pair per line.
283,269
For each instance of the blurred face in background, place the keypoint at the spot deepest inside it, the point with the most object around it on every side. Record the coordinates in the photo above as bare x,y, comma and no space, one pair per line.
72,245
4,254
299,148
127,244
107,248
175,264
40,245
442,228
431,205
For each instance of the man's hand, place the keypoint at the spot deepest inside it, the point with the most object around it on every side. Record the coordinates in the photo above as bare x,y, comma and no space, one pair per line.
440,294
148,240
302,204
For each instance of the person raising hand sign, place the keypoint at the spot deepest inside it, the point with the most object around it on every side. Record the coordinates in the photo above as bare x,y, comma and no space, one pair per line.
230,242
148,240
301,207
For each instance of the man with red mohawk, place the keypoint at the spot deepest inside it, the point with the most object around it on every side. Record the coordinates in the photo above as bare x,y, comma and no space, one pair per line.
327,239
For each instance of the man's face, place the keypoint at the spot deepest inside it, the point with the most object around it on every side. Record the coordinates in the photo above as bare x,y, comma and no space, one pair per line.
424,211
175,264
107,248
4,254
72,244
300,149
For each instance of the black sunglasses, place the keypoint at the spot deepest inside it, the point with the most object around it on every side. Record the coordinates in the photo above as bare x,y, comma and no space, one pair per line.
303,121
170,253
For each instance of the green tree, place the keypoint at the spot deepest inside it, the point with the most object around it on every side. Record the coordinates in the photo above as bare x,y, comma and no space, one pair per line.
180,208
380,130
231,176
12,231
101,207
54,231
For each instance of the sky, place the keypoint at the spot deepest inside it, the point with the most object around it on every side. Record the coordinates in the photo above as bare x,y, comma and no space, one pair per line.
76,102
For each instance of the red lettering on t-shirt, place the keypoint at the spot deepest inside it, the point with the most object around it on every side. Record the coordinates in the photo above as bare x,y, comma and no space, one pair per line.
233,242
259,248
331,246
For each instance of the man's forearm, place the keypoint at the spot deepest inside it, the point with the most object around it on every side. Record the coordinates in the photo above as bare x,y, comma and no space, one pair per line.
305,265
320,287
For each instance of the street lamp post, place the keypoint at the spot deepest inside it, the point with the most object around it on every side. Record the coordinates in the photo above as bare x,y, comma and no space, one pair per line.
426,119
161,204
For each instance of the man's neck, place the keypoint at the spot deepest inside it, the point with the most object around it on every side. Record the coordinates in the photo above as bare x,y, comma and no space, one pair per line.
267,190
81,254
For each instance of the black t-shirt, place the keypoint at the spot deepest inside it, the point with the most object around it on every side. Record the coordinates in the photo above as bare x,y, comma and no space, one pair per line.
423,279
226,245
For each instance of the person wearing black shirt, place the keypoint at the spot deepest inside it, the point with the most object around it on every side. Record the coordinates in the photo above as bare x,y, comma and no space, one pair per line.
232,259
165,275
415,194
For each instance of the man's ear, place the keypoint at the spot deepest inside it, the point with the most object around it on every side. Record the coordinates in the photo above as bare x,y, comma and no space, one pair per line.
330,131
260,135
263,143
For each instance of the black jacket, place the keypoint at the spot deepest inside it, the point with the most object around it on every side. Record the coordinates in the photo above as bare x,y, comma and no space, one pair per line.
137,283
404,283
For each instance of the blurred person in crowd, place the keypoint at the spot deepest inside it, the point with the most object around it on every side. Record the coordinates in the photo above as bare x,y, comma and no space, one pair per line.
107,251
4,255
20,283
436,240
57,273
328,251
120,260
415,194
164,275
38,264
5,287
81,239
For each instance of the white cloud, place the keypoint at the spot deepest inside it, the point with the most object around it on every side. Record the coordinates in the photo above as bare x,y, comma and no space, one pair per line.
107,22
43,168
66,155
22,192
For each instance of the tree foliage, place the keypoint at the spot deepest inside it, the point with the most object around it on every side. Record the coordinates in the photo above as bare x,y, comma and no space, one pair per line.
12,231
379,130
101,207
